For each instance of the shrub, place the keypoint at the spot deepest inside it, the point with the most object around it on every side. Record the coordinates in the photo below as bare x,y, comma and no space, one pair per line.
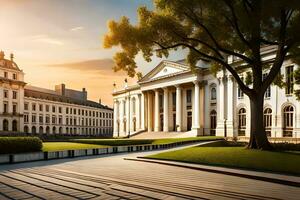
20,144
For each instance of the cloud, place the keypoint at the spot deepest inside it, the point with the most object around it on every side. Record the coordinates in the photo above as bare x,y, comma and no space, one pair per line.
47,39
103,66
78,28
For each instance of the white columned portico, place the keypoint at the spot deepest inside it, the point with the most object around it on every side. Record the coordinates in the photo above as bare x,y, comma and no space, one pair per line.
196,108
116,111
156,112
166,109
178,108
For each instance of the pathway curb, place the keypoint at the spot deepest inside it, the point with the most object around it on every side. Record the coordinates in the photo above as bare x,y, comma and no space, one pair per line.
201,168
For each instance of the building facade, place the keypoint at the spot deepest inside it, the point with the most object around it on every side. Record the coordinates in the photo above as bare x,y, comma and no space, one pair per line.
34,110
173,98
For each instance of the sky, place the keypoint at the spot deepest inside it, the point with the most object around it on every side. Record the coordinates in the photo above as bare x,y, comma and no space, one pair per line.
60,41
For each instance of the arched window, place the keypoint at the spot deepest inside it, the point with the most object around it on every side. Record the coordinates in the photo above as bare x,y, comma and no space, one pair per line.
33,130
48,130
67,130
41,130
5,125
242,122
26,129
268,121
213,122
54,130
288,121
60,130
133,106
213,93
14,125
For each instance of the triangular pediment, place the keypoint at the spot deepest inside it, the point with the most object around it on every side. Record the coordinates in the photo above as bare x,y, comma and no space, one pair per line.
165,69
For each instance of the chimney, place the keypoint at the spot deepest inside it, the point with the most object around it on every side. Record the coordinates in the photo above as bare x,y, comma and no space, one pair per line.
60,89
84,94
12,57
114,87
125,83
2,54
100,101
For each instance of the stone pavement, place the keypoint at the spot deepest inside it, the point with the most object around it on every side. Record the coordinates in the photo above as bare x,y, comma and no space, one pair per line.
112,177
161,135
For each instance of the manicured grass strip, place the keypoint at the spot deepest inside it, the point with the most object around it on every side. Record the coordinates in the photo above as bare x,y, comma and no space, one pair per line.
125,142
237,157
60,146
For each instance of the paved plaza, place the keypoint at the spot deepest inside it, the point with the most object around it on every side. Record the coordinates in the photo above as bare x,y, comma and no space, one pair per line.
112,177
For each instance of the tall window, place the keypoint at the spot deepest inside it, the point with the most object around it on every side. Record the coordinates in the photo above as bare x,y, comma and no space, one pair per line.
189,96
5,93
5,75
268,91
26,106
268,121
41,119
133,106
213,122
213,93
14,108
33,107
47,108
289,79
26,118
240,92
14,76
15,94
242,122
41,107
5,125
33,118
5,107
288,121
14,125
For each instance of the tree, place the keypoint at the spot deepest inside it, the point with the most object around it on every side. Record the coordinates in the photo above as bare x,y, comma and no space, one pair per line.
213,30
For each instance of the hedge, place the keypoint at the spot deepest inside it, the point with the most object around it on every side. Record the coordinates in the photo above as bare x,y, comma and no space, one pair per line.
20,144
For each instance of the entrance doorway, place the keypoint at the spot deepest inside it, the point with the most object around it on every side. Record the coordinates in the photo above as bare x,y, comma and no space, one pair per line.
174,122
189,121
161,118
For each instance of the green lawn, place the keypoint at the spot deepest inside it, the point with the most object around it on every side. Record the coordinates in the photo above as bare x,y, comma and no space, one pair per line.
219,154
59,146
124,142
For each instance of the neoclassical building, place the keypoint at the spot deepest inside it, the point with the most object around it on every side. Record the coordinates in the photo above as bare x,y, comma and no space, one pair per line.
35,110
173,98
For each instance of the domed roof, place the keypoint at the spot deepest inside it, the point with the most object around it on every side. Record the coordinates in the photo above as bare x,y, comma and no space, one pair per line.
10,64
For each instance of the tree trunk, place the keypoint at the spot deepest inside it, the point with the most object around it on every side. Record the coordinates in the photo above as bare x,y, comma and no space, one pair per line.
258,136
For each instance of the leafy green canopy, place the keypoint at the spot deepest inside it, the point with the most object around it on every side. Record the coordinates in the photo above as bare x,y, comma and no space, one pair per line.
212,30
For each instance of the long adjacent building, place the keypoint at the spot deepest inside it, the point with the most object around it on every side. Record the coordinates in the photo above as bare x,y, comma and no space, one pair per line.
173,98
34,110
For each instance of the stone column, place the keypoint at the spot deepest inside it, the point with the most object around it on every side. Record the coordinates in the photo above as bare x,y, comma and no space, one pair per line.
220,130
121,118
138,112
202,108
128,116
196,108
131,113
156,112
116,117
149,112
178,108
143,113
166,109
230,107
